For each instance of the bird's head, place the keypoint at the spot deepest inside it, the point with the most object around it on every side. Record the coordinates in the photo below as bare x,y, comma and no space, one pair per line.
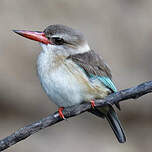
58,38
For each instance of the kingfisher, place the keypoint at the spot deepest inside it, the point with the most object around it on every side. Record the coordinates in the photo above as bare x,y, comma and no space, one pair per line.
71,73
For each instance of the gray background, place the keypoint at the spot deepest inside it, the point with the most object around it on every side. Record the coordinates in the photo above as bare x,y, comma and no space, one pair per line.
119,30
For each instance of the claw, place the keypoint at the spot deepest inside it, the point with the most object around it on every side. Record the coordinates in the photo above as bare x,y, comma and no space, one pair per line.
60,112
93,104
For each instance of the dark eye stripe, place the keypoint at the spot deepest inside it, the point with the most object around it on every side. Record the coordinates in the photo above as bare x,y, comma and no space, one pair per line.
57,40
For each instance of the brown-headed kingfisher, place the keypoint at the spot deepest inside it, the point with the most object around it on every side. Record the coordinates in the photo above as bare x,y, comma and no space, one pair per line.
71,73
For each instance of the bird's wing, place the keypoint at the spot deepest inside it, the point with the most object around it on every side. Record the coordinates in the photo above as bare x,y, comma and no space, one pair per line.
95,67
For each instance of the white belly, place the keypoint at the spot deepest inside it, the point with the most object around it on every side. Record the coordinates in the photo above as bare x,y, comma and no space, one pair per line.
62,88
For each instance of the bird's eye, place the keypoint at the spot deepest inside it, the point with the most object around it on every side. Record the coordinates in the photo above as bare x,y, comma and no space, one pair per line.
57,40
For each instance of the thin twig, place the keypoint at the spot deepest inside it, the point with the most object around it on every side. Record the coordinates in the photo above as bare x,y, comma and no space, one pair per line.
72,111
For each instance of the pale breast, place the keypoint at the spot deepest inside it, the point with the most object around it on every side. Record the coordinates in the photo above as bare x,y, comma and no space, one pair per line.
66,84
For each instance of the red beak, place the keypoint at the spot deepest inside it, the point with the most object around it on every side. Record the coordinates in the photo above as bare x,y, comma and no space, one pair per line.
33,35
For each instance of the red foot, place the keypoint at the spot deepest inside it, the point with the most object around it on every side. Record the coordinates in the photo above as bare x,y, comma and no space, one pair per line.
60,112
92,104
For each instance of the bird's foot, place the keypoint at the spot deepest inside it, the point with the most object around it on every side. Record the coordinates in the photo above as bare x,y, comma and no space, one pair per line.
60,112
93,104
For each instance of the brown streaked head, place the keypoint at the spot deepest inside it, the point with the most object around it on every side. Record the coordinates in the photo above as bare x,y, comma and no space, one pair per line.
55,34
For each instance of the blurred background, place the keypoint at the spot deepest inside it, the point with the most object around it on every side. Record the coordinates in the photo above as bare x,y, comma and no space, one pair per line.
119,30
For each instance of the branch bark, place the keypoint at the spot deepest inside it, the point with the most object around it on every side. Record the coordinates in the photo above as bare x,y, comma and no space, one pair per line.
23,133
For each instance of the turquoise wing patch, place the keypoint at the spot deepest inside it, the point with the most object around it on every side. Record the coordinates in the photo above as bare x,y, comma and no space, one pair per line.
106,81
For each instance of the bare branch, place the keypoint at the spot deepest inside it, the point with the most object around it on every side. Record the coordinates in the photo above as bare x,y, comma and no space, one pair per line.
52,119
